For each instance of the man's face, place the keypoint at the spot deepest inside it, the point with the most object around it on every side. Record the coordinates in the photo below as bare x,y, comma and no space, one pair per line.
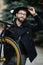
21,15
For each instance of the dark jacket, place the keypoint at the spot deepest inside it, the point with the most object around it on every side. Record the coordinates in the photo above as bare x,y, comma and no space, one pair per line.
26,32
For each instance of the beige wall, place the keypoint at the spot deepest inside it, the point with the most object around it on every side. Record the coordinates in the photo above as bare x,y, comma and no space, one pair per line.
2,6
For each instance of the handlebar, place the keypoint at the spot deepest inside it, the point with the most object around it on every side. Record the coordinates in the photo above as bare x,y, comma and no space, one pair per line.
6,23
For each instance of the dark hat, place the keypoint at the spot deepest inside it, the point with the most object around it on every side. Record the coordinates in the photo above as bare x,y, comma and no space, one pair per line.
21,8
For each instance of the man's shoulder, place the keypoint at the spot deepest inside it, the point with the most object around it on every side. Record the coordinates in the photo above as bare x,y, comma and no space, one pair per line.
28,23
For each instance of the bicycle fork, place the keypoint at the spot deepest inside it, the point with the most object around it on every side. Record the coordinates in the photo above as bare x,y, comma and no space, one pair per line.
2,59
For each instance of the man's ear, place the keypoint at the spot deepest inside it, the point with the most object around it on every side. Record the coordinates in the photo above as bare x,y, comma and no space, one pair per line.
16,14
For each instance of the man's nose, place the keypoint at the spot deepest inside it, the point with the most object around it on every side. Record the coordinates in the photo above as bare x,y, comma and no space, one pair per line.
22,15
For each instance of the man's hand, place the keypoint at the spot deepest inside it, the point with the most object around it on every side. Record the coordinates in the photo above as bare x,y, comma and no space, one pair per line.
32,11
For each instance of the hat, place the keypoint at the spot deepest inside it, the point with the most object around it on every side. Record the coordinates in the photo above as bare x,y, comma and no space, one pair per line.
21,8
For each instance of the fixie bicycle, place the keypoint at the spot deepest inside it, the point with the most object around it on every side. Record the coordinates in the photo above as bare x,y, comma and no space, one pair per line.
8,47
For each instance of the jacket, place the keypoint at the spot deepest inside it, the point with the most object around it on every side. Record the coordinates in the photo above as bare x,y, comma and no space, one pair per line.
26,32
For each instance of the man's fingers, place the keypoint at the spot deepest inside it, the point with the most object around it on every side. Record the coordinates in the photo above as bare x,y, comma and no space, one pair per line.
31,9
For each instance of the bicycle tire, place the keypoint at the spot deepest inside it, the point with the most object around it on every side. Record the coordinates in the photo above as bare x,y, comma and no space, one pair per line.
15,46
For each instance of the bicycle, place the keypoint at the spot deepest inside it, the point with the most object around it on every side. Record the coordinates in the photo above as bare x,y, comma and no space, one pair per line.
9,41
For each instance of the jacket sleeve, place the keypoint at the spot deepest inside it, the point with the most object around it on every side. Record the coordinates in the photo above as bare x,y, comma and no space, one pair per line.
39,22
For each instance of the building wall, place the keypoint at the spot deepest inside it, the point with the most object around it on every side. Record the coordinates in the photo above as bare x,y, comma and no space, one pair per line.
2,6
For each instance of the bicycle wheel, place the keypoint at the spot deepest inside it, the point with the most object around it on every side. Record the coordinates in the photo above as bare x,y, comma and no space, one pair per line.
11,42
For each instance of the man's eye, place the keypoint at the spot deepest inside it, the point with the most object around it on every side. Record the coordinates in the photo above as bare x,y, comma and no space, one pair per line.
21,13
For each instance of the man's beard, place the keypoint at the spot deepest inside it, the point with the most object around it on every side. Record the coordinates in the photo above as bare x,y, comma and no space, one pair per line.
20,20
